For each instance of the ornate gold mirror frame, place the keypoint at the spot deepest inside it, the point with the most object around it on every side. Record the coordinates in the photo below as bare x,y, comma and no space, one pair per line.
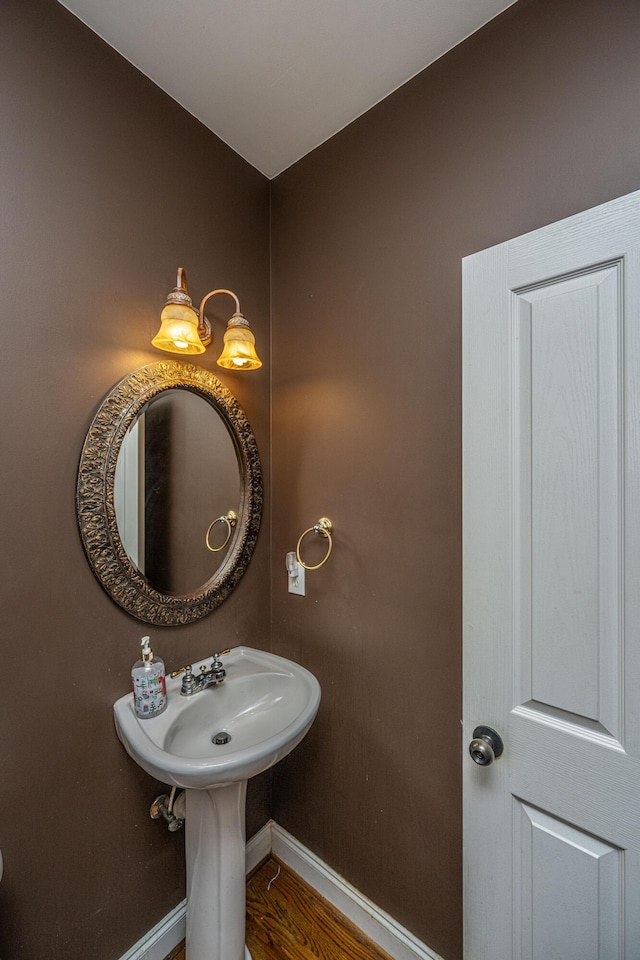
95,495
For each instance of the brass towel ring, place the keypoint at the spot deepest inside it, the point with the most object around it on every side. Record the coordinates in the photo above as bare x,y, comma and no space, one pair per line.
323,528
230,519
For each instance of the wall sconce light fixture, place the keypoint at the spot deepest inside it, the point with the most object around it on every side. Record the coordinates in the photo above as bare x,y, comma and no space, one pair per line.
183,330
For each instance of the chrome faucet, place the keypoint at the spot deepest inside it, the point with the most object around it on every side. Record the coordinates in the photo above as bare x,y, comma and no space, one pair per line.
194,683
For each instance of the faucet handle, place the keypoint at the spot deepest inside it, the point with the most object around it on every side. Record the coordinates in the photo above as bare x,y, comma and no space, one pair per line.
177,673
188,681
217,669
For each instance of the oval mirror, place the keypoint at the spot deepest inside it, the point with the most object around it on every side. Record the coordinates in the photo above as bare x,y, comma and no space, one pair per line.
169,495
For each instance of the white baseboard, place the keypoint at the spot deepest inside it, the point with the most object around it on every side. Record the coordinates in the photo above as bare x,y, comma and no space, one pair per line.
259,847
377,925
374,922
165,936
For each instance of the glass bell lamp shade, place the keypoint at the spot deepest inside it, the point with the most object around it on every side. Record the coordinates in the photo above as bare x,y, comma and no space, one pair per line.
178,331
239,351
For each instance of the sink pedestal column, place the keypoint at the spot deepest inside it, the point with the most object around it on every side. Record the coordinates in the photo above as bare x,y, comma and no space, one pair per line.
216,873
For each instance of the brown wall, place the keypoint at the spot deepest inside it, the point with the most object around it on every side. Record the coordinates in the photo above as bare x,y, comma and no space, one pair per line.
106,187
532,119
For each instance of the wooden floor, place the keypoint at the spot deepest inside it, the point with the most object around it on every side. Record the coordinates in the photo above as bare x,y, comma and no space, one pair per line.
287,920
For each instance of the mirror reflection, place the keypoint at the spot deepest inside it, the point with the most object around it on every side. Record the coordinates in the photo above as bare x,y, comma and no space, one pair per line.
177,472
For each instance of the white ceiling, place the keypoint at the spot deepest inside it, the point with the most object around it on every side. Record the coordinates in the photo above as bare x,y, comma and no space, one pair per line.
276,78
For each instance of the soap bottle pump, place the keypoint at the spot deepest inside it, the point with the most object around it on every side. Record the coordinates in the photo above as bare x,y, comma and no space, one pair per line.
148,683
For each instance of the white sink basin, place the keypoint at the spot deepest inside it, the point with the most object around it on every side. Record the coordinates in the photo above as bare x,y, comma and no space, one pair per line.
266,705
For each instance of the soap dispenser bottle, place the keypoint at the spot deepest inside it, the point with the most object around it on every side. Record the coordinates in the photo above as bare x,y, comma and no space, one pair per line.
148,683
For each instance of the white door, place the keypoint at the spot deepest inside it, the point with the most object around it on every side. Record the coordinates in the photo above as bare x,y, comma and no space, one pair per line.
552,590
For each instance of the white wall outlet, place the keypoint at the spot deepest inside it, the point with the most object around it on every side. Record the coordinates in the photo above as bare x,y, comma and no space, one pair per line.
295,574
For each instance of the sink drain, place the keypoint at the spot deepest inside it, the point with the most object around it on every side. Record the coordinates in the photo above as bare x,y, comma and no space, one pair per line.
221,738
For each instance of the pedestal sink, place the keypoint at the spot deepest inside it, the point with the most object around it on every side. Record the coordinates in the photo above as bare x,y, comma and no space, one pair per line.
265,705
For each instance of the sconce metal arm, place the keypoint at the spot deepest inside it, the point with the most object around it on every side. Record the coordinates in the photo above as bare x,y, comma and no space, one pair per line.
204,327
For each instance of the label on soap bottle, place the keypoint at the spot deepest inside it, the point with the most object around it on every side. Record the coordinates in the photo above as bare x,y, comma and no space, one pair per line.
149,693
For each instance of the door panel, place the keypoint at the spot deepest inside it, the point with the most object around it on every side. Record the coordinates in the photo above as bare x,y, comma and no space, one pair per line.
567,387
563,873
552,591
